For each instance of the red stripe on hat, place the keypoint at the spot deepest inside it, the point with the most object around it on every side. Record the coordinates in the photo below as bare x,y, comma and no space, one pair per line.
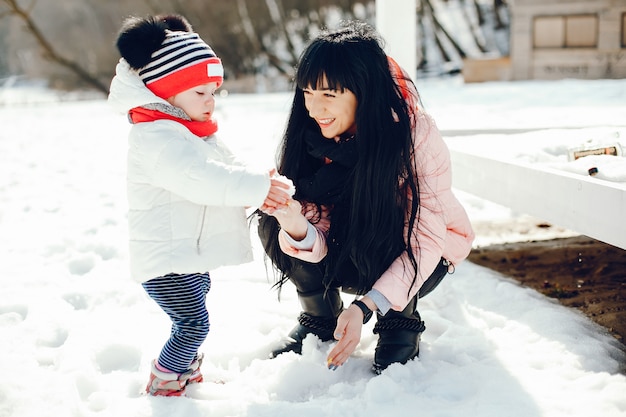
200,73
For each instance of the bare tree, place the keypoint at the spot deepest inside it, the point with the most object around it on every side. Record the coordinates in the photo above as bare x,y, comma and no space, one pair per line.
253,37
499,5
453,44
49,52
442,34
475,29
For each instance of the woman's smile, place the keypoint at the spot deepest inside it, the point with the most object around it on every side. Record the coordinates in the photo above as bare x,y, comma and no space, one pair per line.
333,110
324,122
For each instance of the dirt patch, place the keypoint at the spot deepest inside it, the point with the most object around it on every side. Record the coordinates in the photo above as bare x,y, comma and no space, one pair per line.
580,272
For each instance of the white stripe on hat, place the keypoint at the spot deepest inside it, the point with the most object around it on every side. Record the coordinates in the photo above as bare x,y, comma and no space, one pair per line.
179,50
186,59
176,40
215,70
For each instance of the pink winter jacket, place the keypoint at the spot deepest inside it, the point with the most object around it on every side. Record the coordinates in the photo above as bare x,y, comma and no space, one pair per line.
442,230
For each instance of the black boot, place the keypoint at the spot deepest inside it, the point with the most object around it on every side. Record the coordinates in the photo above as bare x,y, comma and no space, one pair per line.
399,337
320,306
319,317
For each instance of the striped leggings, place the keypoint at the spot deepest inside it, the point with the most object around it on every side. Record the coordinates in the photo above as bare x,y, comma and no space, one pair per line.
183,298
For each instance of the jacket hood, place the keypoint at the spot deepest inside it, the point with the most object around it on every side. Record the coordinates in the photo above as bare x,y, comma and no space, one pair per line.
127,91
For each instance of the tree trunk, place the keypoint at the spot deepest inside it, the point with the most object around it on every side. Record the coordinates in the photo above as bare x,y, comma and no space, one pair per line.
497,5
49,52
479,13
421,33
442,31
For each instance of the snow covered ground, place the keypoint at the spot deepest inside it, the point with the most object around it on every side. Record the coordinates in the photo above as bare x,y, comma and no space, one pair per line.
77,334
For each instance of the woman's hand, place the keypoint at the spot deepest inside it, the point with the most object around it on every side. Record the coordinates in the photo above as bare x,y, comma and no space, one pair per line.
348,333
277,196
291,220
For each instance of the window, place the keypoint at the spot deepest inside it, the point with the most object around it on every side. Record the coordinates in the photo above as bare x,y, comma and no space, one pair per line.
577,31
549,32
623,30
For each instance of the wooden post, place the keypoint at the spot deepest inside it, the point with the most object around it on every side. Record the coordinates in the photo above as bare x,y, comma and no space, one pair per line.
396,21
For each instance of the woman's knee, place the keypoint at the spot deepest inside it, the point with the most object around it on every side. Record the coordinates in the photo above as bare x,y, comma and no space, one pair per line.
307,277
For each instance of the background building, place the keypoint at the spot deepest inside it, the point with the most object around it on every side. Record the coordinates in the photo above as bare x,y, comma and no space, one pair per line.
556,39
568,39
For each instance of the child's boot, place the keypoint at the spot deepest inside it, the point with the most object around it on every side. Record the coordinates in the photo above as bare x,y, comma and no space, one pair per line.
167,384
196,375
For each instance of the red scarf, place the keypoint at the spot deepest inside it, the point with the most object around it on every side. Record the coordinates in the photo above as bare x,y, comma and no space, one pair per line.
202,129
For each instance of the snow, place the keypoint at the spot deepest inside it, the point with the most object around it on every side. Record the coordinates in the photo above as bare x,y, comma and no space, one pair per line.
78,334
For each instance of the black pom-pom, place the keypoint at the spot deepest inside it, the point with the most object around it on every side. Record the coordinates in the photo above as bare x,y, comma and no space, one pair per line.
139,38
175,22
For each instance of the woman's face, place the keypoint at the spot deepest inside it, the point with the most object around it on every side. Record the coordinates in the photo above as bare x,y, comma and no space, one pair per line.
333,110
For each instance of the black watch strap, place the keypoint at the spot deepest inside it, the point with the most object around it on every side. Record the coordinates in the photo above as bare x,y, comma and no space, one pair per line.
367,313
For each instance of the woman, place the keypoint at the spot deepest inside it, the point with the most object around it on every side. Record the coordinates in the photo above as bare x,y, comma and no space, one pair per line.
373,213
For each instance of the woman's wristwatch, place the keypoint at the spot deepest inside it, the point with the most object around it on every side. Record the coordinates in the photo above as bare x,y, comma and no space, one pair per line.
367,313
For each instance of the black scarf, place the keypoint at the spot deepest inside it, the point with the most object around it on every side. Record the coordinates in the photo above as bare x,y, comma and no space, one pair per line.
327,184
331,185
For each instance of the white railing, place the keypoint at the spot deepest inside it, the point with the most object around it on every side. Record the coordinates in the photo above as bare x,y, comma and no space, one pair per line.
586,205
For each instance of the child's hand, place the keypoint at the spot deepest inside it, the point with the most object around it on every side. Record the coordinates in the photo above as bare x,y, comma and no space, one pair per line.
291,189
281,190
277,196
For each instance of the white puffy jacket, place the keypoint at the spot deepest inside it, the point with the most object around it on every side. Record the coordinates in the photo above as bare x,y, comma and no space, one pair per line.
186,194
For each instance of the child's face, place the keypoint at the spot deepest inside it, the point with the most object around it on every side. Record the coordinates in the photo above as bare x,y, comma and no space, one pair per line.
333,110
198,102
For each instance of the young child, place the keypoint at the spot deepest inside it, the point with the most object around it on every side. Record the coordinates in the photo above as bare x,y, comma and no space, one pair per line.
187,193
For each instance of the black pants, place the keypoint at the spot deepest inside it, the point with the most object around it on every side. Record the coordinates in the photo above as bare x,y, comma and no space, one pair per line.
441,270
309,277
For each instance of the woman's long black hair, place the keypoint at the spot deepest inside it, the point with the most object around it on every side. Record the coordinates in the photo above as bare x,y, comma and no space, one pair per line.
371,232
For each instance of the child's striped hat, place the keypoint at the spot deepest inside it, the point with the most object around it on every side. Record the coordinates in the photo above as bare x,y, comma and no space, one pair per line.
168,56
